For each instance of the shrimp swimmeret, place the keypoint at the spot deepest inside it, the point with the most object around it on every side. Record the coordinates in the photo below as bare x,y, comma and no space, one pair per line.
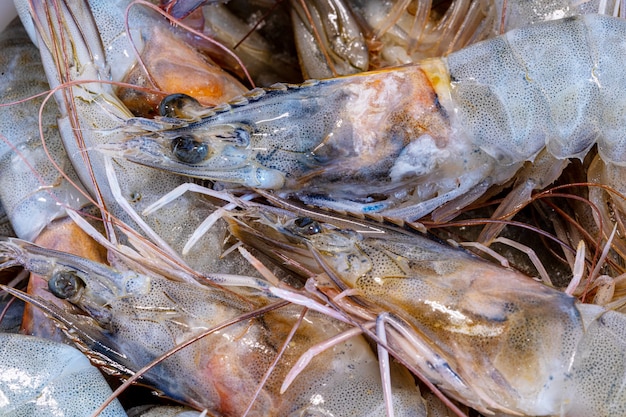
400,143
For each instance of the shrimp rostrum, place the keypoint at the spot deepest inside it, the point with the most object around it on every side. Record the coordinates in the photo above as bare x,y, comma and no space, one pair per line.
492,338
402,142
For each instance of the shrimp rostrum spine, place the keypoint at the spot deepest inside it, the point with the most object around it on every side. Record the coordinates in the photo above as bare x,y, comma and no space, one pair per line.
401,142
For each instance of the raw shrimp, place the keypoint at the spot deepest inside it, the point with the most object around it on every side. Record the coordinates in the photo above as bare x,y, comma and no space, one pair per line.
35,193
402,142
134,318
41,378
490,337
32,190
172,64
86,42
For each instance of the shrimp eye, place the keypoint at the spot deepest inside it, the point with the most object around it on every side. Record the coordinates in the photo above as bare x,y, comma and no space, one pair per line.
307,226
65,284
189,150
178,105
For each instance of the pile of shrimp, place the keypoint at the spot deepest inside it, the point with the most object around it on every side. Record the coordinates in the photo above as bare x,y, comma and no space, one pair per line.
313,207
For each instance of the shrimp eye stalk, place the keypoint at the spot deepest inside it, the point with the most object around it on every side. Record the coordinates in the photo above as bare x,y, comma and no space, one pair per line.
188,150
179,106
65,284
307,226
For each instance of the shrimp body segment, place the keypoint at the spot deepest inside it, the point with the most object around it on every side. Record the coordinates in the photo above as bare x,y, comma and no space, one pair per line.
144,316
513,345
403,141
32,191
42,378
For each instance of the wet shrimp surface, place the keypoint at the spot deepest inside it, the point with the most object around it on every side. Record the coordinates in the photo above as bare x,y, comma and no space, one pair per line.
167,201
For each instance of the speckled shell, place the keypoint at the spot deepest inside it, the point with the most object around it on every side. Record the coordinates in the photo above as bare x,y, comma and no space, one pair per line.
558,84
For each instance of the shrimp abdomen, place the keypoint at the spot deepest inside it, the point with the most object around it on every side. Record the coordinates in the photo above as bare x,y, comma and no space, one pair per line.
555,84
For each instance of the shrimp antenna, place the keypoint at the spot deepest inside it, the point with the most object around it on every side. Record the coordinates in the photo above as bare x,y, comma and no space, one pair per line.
598,215
57,47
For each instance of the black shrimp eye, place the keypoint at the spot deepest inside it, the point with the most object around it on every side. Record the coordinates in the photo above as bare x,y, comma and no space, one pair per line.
307,226
65,284
178,105
189,150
